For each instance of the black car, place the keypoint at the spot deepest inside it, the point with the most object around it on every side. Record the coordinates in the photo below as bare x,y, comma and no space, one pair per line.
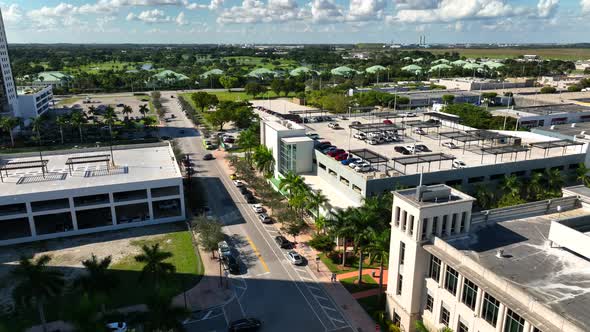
243,190
401,150
422,148
250,199
231,263
245,324
283,242
208,156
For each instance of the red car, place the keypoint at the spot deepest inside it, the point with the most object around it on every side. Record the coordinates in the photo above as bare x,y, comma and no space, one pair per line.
335,153
387,122
341,156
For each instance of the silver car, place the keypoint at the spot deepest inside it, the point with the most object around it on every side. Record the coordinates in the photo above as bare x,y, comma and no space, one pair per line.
294,257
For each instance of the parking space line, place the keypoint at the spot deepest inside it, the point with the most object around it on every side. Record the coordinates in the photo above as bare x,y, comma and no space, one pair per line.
337,320
329,308
320,297
257,253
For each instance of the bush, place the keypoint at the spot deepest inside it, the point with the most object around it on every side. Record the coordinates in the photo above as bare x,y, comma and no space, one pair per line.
574,88
322,242
548,89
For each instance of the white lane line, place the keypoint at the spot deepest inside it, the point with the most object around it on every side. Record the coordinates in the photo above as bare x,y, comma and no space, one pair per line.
320,297
329,308
299,270
307,279
337,320
207,315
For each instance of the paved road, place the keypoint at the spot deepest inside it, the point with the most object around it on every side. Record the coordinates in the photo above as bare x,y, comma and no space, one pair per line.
284,297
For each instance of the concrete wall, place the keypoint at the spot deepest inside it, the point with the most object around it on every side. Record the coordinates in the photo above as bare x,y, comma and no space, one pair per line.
304,158
356,180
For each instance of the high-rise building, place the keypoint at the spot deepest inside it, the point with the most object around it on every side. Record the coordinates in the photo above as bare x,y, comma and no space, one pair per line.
8,98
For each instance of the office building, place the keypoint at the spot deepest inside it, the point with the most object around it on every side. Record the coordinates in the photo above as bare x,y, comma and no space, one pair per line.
8,99
34,101
546,115
471,84
66,193
518,269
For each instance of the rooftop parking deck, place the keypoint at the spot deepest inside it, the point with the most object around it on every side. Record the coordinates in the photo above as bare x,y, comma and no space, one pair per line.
472,147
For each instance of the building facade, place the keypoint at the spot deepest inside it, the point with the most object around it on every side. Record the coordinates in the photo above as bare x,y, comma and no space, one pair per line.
34,101
8,98
487,272
135,186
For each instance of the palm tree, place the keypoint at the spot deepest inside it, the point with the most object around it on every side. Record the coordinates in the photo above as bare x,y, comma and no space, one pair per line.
37,283
92,111
37,125
536,187
110,117
77,119
511,185
582,174
8,124
127,110
61,122
98,280
554,180
83,316
143,109
162,315
361,221
485,197
264,160
291,183
155,266
339,226
378,247
247,140
315,200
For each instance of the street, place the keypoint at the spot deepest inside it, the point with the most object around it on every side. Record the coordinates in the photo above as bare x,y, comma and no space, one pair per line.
284,297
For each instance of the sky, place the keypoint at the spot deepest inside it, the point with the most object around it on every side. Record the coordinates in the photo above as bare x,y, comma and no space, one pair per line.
296,21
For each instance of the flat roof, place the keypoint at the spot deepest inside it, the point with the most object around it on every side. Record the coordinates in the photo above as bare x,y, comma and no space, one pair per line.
566,129
437,94
370,156
145,162
298,139
425,158
555,144
553,109
433,195
555,278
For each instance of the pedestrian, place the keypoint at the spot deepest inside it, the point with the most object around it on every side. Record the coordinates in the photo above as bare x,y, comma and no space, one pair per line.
333,277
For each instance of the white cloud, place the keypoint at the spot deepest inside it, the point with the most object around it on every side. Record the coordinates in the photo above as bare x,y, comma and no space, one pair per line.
416,4
12,13
326,11
255,11
364,10
585,6
180,19
150,16
547,8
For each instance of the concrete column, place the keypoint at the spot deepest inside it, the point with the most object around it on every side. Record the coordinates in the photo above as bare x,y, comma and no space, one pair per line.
501,318
439,226
113,211
460,283
428,228
31,219
447,231
478,301
527,326
468,222
182,205
73,213
149,201
457,225
441,279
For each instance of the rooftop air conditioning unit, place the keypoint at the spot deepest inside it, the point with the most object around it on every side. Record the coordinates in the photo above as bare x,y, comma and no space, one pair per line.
552,128
573,125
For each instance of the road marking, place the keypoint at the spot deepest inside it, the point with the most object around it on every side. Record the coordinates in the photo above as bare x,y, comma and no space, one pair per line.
207,315
257,253
312,287
299,270
320,297
337,320
329,308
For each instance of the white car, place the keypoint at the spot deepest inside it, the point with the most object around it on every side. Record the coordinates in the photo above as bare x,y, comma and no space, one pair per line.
117,327
419,131
334,125
223,249
355,164
363,168
410,148
373,141
411,115
239,183
450,145
459,164
360,136
258,208
294,257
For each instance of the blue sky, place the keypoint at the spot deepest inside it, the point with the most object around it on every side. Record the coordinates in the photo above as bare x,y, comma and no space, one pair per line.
296,21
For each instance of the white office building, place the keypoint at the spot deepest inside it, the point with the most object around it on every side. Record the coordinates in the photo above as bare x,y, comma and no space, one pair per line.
34,101
518,269
66,193
292,150
8,99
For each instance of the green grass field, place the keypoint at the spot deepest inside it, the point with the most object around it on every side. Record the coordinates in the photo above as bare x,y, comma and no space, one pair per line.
351,285
129,291
500,53
100,66
248,62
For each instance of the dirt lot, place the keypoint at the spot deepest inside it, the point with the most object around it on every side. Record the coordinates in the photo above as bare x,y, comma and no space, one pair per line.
69,252
96,101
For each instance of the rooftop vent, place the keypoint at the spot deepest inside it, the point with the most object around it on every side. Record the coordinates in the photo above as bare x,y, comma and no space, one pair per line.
552,128
500,253
573,125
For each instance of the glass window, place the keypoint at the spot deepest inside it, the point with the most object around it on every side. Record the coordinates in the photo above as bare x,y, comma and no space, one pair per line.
451,280
402,253
429,303
403,221
469,293
424,229
490,308
54,204
397,215
445,315
514,323
462,327
536,330
92,200
287,156
453,224
435,225
396,319
463,222
411,226
400,282
132,195
434,271
445,220
165,191
6,210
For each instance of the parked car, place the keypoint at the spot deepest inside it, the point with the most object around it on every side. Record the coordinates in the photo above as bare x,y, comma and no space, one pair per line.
386,121
117,327
412,149
373,141
243,190
356,163
250,199
208,156
283,242
245,324
231,263
459,164
313,135
264,218
223,248
363,168
419,131
355,123
294,257
422,148
349,161
449,145
361,136
402,150
334,125
411,115
328,149
239,183
335,152
258,208
341,156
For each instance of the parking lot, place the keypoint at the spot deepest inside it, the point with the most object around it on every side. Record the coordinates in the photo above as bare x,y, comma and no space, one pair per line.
471,148
102,101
